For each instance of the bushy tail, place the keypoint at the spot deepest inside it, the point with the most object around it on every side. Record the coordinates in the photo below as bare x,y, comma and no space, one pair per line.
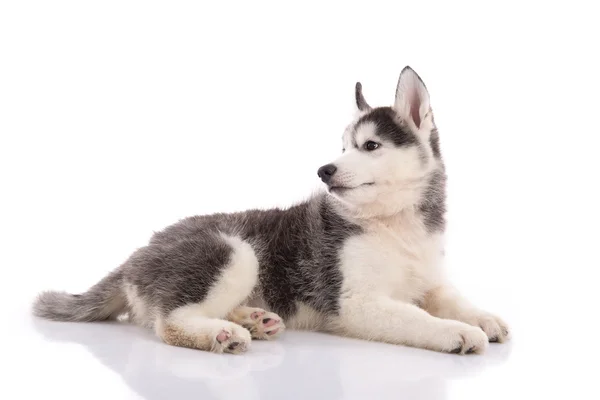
105,300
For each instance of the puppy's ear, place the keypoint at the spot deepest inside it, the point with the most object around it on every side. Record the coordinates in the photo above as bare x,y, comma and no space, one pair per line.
361,103
412,97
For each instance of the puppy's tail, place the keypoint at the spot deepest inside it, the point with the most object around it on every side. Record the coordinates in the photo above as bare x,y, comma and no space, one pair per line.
105,300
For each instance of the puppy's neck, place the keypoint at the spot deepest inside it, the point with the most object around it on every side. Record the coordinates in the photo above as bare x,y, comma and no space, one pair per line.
381,216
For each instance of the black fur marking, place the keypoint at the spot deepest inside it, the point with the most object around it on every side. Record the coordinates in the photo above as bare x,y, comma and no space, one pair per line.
389,127
433,204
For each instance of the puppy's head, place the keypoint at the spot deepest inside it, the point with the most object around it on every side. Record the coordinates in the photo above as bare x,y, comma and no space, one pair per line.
388,152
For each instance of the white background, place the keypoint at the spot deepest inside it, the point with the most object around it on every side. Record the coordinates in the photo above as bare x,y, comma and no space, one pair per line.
118,118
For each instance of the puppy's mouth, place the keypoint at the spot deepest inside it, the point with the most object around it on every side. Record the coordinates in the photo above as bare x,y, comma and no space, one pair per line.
343,189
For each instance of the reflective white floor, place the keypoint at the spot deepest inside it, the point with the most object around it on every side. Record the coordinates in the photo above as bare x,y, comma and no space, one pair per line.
121,361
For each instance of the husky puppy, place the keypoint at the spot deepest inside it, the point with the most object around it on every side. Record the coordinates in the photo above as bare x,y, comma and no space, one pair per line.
361,259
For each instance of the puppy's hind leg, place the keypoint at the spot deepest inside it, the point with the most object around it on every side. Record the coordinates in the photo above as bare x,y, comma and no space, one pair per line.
202,325
188,327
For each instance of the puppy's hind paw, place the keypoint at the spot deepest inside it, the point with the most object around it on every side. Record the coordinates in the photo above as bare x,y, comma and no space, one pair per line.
233,339
262,324
266,326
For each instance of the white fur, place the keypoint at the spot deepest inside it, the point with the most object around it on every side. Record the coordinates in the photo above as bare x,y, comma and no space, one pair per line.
139,310
307,318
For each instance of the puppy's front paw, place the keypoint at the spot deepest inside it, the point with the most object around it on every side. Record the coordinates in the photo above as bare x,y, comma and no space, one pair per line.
495,329
460,338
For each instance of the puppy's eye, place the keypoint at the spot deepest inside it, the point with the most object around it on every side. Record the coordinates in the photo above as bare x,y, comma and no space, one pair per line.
370,145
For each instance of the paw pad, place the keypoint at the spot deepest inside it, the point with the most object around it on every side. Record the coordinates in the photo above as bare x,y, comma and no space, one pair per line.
268,322
233,346
257,314
223,336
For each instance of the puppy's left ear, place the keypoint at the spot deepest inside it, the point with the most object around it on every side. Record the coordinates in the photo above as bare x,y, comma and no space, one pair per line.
412,97
361,103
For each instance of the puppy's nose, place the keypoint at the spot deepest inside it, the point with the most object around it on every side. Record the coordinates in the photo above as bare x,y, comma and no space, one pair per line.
326,172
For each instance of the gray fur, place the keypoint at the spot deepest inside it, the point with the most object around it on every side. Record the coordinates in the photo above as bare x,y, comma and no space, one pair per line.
103,301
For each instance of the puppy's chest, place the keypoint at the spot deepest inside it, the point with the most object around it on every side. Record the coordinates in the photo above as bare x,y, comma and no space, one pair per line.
400,260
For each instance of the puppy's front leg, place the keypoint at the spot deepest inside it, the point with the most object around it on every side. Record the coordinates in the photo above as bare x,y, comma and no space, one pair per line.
387,320
446,302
